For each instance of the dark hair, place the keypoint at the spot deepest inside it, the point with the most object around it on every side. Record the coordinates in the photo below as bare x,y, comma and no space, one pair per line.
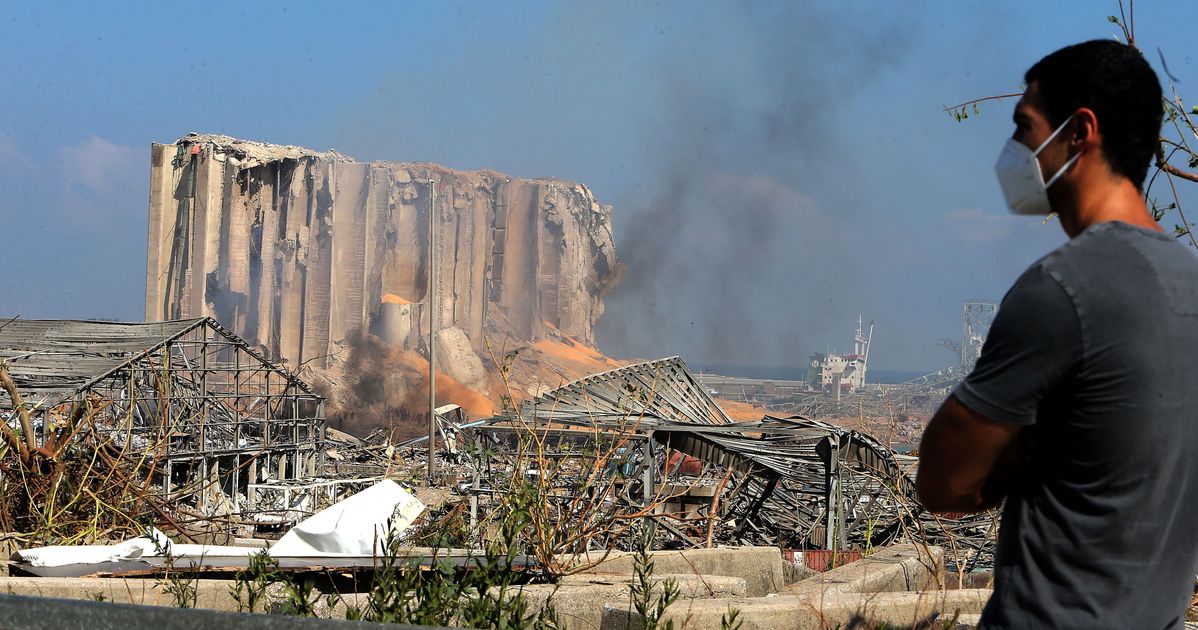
1118,85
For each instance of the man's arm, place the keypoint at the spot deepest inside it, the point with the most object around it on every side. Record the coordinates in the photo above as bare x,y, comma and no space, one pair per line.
979,438
966,460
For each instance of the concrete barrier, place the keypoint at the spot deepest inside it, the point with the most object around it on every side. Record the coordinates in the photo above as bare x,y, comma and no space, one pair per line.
845,610
967,622
210,594
777,611
579,599
43,613
761,567
900,609
897,568
899,586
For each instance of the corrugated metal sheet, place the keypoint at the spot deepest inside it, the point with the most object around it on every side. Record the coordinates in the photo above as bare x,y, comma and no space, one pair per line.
796,475
654,390
825,559
50,359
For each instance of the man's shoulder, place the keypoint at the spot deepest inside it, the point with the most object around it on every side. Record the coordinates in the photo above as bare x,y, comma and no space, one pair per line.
1045,272
1110,237
1115,246
1100,242
1114,270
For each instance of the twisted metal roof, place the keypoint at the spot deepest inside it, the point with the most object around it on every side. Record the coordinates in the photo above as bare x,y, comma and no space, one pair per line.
654,390
52,359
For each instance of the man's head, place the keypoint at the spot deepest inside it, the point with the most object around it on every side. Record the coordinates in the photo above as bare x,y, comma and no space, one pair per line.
1102,84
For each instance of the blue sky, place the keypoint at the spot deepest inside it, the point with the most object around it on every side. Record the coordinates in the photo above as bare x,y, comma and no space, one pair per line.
775,169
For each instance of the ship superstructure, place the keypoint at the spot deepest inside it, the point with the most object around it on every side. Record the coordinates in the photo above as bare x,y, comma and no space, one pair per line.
843,373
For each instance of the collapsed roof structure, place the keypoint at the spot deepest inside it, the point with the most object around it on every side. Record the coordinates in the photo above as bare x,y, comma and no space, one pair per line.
210,413
790,481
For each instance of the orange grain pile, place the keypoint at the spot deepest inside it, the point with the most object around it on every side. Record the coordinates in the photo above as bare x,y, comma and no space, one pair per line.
450,390
575,355
739,411
391,298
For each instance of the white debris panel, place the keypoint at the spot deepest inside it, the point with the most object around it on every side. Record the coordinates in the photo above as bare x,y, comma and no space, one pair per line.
354,527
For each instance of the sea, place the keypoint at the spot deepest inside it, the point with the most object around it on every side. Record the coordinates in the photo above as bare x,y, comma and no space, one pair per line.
874,375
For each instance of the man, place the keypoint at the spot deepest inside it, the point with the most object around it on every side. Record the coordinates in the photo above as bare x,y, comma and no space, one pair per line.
1081,411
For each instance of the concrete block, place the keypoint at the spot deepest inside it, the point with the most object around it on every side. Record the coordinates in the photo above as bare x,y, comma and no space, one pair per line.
39,613
967,622
845,610
341,605
794,573
761,567
897,568
579,599
775,611
211,594
691,585
899,609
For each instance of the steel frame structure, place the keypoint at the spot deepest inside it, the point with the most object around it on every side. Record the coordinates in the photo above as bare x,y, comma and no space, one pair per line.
789,481
204,408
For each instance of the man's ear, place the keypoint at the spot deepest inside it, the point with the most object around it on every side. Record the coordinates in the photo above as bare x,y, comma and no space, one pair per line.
1086,133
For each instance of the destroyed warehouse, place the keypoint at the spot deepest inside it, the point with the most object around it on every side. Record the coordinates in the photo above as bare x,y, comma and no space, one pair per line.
208,417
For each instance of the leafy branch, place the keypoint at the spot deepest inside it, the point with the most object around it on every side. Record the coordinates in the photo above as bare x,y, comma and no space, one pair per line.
960,111
1179,127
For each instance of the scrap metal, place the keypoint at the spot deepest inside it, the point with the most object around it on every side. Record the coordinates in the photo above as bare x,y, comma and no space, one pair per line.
787,481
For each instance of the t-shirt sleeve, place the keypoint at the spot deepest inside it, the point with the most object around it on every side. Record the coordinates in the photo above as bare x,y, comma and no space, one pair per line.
1034,343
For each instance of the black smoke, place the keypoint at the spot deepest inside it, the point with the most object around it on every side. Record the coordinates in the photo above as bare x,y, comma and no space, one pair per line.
742,245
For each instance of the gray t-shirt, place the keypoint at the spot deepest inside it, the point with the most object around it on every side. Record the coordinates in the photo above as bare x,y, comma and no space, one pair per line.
1096,347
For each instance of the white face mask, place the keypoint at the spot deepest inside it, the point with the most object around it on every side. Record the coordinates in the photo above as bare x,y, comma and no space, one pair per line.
1019,176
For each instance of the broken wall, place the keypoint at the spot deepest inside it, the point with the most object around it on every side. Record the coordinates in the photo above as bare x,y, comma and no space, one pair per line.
301,252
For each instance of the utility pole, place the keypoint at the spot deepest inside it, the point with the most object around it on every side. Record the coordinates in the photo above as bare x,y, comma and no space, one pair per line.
432,331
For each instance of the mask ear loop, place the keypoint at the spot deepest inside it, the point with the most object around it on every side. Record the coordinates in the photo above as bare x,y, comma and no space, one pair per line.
1052,137
1064,168
1061,172
1070,163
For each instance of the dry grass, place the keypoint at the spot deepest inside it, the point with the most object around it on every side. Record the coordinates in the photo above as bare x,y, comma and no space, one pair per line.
75,487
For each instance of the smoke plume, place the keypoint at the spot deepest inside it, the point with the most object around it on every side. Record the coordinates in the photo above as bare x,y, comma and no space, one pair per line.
742,246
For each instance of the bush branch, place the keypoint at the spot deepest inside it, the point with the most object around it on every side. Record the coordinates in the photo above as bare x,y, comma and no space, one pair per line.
996,97
18,405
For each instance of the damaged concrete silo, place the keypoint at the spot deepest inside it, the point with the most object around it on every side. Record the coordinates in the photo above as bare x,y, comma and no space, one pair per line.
301,252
